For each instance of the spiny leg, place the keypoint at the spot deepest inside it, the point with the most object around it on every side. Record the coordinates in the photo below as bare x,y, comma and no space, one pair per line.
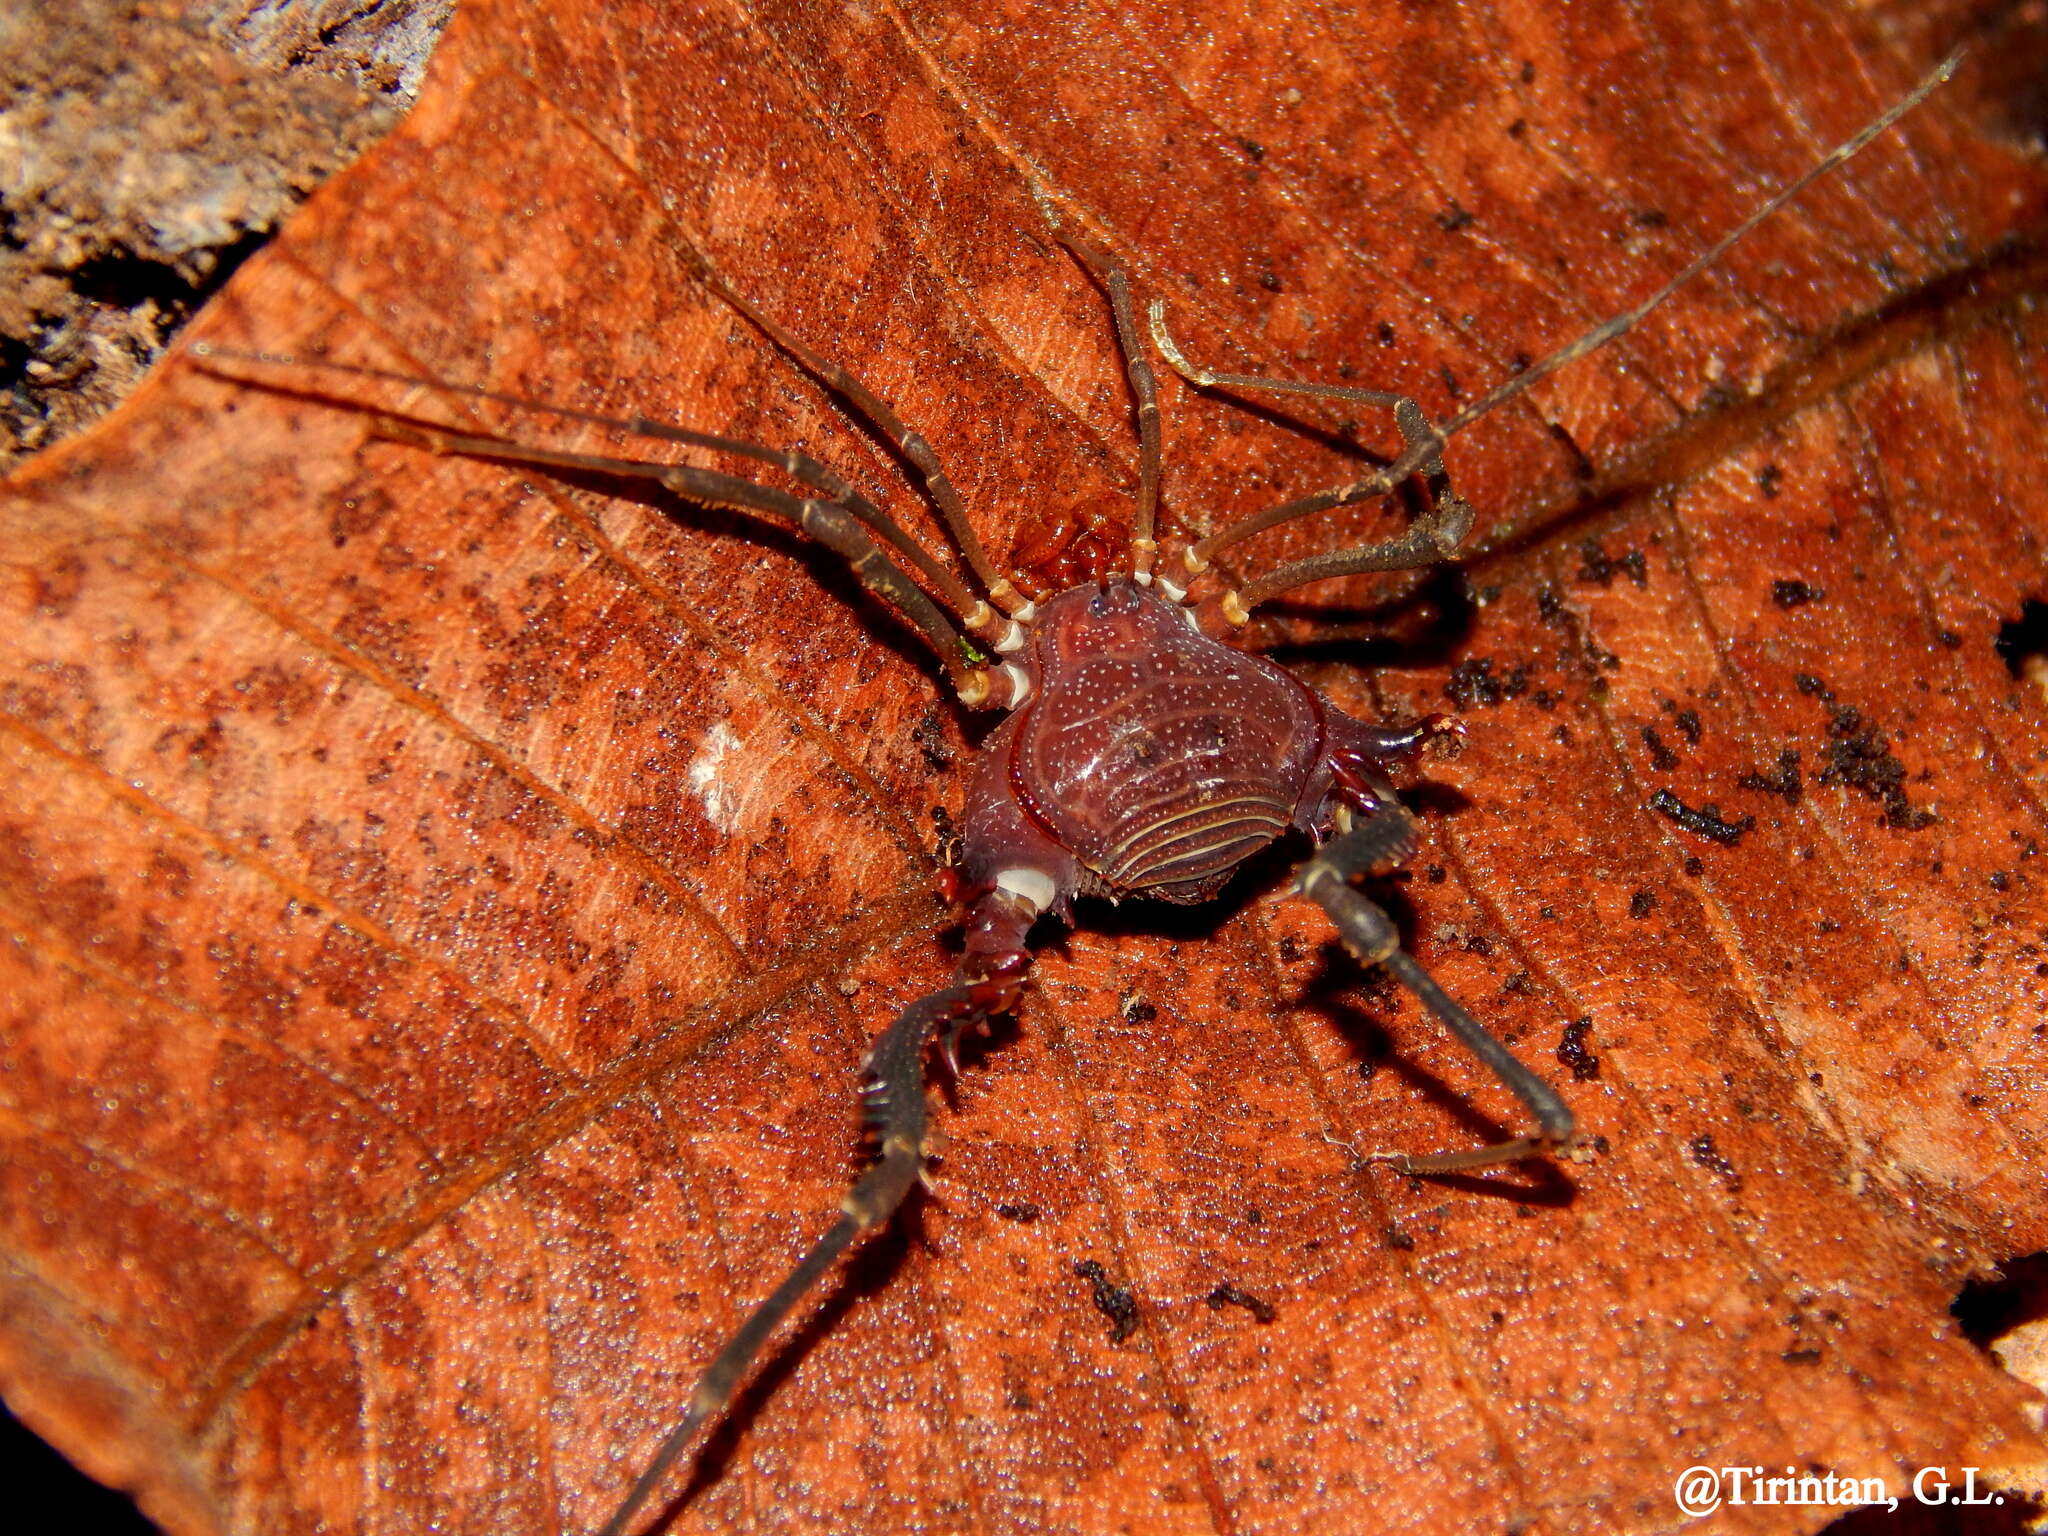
1373,845
833,525
988,981
1377,744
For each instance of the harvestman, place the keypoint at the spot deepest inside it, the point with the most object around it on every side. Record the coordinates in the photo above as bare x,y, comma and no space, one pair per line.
1141,756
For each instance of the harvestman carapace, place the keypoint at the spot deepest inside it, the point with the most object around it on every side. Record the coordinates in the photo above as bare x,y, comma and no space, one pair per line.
1141,756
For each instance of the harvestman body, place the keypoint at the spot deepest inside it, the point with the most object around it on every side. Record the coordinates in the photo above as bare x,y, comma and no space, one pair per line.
1141,755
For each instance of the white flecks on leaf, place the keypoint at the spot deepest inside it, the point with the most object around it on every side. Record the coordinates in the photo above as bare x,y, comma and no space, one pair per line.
720,800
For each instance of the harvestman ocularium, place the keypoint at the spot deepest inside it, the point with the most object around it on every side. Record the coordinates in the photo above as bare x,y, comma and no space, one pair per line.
1140,756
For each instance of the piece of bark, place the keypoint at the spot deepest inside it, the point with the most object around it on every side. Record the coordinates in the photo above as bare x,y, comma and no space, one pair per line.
144,154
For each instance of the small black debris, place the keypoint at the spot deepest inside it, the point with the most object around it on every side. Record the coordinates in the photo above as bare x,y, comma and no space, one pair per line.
1571,1050
1861,758
1112,1301
929,734
1706,821
1596,567
1662,758
1227,1295
2023,638
1795,594
1472,682
1784,782
1710,1157
1018,1210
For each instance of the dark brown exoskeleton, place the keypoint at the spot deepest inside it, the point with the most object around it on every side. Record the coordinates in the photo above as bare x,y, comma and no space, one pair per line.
1141,757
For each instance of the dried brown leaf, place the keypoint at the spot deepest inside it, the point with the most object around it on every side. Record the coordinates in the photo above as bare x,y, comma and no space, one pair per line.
437,892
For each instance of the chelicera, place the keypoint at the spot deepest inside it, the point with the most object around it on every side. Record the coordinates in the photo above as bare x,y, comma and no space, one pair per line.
1142,756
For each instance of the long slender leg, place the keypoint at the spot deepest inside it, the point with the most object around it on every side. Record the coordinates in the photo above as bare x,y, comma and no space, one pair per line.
1431,539
975,614
1422,445
1434,536
1424,451
1109,272
1375,844
979,619
987,982
828,522
872,409
876,411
